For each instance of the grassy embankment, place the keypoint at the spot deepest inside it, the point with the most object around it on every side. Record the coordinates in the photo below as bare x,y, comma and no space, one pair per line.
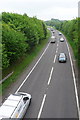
73,46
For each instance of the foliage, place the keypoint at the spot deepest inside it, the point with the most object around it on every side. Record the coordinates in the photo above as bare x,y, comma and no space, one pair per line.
54,22
71,30
20,34
15,44
5,60
79,41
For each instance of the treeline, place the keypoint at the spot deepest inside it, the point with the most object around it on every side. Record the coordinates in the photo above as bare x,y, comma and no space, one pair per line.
72,31
54,23
20,35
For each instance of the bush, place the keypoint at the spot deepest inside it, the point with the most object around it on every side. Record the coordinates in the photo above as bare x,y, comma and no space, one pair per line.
20,34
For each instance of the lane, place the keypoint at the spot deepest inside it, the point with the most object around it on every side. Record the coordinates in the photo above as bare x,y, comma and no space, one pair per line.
51,85
61,99
36,83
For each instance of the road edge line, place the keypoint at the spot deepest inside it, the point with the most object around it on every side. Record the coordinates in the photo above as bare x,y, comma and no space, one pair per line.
76,93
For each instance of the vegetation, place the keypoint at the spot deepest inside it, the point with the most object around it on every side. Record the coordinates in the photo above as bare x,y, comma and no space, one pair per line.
20,34
72,31
54,23
0,47
22,39
22,64
79,42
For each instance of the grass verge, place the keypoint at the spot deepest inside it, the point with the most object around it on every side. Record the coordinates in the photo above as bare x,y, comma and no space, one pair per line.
74,47
21,65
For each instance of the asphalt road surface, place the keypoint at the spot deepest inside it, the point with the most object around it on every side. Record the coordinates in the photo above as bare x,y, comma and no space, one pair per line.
51,85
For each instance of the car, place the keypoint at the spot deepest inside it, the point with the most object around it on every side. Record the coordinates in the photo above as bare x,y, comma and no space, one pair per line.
60,33
53,31
61,39
15,105
62,57
53,39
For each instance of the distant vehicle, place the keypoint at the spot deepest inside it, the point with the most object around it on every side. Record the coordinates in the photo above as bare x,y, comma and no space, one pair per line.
62,57
15,105
60,33
53,31
53,39
61,39
48,28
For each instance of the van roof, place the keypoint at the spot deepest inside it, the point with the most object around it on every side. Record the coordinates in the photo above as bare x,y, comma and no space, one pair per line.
9,106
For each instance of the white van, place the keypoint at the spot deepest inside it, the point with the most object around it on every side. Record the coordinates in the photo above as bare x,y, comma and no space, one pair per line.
53,39
15,105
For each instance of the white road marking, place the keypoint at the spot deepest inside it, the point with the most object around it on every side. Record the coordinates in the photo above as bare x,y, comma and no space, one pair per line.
50,76
54,59
41,106
76,93
57,44
32,69
57,50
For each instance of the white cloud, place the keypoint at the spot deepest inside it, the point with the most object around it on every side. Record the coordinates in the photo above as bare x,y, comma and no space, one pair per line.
44,9
59,13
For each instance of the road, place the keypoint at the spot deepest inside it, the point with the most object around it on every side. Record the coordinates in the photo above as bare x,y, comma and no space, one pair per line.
51,85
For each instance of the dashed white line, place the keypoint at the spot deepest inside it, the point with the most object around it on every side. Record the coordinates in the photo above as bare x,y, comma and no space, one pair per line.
76,93
57,44
54,59
32,69
40,111
50,76
57,50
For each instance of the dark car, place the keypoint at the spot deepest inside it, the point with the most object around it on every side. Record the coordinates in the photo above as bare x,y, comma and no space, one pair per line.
62,57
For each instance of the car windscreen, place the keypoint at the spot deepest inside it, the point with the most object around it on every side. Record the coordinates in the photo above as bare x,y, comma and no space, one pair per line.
62,56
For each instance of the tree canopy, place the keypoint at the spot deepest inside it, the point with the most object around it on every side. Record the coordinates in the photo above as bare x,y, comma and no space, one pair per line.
72,31
20,34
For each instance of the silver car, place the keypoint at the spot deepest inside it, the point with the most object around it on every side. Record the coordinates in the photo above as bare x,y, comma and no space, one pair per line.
62,57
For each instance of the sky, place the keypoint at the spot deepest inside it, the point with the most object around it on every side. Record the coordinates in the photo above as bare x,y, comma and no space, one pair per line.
42,9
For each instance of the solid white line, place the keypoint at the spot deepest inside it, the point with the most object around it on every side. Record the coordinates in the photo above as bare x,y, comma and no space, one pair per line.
41,107
76,93
32,69
50,76
54,59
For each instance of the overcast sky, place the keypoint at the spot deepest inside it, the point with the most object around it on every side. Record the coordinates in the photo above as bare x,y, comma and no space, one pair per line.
42,9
